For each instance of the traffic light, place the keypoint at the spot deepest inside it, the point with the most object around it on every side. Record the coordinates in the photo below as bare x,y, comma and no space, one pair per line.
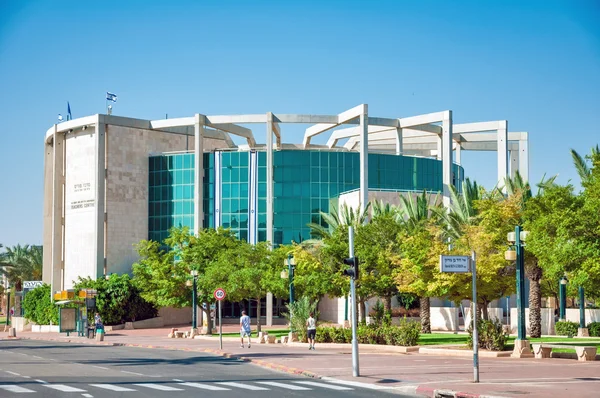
353,270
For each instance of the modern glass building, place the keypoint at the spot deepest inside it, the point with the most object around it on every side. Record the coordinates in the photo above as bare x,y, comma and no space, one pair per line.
306,182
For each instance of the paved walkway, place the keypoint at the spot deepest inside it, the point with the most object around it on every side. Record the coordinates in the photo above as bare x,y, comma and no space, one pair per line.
382,368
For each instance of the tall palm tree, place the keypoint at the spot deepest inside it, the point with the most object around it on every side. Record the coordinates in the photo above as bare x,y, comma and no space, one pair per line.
517,186
462,211
414,213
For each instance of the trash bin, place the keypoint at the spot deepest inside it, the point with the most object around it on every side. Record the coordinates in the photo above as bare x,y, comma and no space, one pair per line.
99,333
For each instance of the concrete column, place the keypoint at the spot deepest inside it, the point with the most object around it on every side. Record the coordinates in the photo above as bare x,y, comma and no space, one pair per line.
502,152
399,141
514,162
269,309
457,153
524,159
364,157
270,177
57,231
100,181
48,206
440,147
446,156
198,173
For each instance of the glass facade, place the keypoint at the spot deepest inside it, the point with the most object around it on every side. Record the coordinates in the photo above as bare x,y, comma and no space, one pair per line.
305,183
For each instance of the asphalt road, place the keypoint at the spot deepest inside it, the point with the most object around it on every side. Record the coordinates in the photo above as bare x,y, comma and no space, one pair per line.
52,369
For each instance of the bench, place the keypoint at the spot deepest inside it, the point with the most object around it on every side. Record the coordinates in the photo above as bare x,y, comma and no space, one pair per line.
584,353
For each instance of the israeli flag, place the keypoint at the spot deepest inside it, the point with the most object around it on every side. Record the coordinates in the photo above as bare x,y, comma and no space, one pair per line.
111,97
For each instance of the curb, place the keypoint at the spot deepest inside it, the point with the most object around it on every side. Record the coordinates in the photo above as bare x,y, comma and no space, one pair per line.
422,391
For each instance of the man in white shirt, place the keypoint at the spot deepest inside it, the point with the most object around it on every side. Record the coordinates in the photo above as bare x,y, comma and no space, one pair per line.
245,328
311,329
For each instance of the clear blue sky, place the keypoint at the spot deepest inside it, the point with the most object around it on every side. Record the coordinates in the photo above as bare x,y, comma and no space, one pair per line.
534,63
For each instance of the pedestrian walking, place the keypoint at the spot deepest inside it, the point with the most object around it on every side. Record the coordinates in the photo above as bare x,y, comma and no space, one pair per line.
245,328
311,329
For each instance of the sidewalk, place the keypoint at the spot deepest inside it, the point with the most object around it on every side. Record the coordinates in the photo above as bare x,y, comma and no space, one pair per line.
381,368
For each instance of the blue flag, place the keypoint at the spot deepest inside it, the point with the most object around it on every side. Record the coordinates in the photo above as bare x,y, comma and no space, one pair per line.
69,116
111,97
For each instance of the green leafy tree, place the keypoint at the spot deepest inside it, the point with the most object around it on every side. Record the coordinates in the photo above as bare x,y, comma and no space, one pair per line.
118,300
19,264
39,307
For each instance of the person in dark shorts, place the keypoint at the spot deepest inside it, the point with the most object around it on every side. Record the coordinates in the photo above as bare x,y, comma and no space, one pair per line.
311,329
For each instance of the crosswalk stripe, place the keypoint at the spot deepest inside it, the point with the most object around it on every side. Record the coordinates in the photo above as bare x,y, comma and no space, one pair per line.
14,388
63,388
204,386
243,386
323,385
282,385
112,387
158,387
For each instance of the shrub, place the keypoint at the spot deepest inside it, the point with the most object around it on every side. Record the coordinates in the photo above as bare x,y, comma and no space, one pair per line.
405,334
297,315
378,312
39,307
323,334
118,300
566,328
491,335
594,329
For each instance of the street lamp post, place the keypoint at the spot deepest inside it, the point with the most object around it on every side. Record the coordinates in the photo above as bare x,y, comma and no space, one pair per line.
562,294
583,331
522,349
289,274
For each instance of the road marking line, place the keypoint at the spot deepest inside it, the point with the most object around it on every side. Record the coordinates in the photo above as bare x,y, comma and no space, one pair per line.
15,388
243,386
133,373
87,395
64,388
100,367
356,384
112,387
204,386
26,377
323,385
41,381
282,385
158,387
13,373
178,380
35,356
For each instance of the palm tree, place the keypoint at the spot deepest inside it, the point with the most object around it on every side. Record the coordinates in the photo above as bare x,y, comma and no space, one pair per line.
414,214
581,165
21,263
462,210
346,215
516,186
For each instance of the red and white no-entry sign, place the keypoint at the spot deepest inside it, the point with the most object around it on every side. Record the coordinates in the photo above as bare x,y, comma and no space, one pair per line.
219,294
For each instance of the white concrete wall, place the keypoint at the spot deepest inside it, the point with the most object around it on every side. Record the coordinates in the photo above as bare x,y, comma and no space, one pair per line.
332,309
591,315
128,150
444,318
493,313
80,207
547,320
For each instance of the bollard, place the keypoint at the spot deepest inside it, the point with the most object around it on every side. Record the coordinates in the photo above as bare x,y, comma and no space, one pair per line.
12,332
99,334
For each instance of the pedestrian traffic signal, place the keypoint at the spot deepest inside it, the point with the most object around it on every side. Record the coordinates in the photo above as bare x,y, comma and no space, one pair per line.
353,270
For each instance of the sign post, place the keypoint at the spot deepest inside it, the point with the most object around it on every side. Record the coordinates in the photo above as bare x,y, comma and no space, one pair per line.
465,264
219,295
